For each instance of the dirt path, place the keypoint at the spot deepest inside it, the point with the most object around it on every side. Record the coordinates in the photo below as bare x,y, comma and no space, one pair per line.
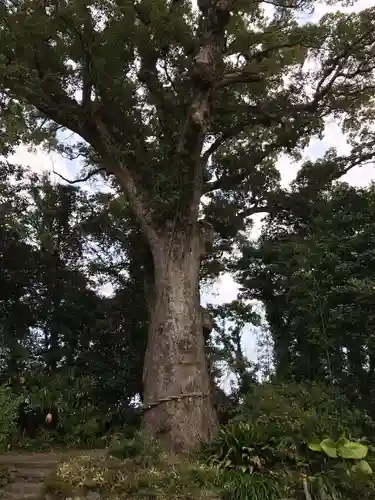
29,471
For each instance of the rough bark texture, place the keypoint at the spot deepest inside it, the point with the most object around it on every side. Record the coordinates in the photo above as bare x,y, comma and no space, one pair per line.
177,395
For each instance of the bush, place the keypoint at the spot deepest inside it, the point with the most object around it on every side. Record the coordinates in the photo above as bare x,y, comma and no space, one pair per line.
264,452
135,447
304,412
82,422
9,403
78,417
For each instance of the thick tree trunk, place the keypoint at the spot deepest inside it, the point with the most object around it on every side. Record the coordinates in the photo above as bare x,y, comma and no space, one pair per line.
177,397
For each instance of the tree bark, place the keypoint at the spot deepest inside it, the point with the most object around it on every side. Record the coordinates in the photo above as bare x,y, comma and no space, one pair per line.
177,395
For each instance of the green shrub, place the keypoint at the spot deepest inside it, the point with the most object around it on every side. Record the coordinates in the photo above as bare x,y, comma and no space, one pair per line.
264,451
78,417
81,422
82,419
304,411
9,403
138,446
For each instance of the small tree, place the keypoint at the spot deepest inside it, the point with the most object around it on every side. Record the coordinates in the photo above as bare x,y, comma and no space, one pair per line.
177,102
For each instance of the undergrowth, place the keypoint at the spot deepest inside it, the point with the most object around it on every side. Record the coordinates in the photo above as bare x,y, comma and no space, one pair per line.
136,469
286,443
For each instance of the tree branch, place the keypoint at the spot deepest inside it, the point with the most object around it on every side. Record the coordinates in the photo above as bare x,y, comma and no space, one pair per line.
207,64
95,133
82,179
54,103
265,53
117,166
51,100
256,159
248,212
243,76
263,118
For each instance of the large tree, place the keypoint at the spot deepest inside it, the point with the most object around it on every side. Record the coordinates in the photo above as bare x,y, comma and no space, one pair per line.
177,102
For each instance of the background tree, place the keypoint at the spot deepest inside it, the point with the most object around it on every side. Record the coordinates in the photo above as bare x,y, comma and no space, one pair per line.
227,346
314,271
53,319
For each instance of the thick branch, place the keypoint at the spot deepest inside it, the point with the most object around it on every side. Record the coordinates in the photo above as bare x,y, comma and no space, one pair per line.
258,115
208,64
96,134
244,76
53,102
117,165
266,53
248,212
57,106
344,165
235,180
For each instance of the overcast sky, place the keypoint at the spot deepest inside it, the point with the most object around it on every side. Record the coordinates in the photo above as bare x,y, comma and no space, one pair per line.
226,290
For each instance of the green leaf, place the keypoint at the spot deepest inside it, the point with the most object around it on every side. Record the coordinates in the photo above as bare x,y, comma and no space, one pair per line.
329,447
352,450
363,467
342,441
314,445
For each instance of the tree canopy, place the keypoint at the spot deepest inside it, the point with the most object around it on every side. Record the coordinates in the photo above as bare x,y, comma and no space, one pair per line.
176,102
314,273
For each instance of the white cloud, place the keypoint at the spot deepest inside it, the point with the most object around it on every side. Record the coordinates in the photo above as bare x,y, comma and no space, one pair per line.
39,160
321,8
224,290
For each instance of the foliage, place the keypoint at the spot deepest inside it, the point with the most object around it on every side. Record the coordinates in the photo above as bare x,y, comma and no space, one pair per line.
314,270
138,445
70,346
79,422
238,486
176,102
267,448
345,449
146,473
225,345
82,420
8,416
306,411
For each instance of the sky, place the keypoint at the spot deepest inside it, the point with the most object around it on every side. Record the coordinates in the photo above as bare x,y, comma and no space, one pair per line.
225,289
